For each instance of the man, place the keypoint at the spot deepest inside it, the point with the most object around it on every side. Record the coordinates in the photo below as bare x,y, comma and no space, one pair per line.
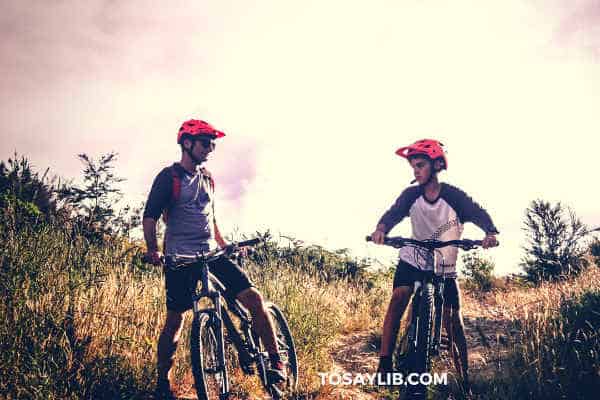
437,211
184,194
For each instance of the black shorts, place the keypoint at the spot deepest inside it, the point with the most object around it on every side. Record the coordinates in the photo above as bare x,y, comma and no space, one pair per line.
406,275
180,283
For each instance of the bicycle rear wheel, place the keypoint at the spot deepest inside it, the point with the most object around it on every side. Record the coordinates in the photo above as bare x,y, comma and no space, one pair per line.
287,352
207,359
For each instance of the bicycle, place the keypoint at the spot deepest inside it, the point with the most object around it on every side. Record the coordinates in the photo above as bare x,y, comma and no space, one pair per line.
418,345
208,337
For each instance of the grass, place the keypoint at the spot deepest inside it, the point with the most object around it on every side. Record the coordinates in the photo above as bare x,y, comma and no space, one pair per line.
81,321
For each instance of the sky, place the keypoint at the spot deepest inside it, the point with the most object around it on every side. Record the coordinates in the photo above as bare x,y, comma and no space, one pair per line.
315,97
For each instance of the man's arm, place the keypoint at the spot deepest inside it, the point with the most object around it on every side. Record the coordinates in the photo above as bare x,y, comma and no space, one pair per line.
158,199
149,225
152,253
218,236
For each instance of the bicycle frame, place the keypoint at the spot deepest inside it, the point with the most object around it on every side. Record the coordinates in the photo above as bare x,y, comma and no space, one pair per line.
245,339
438,282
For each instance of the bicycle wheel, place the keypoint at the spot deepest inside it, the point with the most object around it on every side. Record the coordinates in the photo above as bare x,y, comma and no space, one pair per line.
208,364
422,356
287,351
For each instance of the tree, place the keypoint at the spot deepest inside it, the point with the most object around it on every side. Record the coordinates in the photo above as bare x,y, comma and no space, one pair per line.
19,182
554,247
96,199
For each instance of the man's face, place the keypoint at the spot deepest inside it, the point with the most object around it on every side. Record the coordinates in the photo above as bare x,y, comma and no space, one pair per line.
421,169
202,148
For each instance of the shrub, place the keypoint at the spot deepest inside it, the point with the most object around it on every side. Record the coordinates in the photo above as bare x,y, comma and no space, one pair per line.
554,249
595,251
478,272
560,355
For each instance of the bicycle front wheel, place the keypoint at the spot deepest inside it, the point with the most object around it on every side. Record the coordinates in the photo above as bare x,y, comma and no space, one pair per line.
207,359
422,355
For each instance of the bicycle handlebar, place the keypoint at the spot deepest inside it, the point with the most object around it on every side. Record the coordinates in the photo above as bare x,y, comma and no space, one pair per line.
211,255
397,242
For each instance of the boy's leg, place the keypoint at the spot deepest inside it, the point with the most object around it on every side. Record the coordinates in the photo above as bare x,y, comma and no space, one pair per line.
391,322
404,279
454,325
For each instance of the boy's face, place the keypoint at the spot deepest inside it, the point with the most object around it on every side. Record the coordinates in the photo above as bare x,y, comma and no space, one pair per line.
421,169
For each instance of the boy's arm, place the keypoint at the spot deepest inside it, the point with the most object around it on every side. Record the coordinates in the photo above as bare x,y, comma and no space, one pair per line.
399,210
470,211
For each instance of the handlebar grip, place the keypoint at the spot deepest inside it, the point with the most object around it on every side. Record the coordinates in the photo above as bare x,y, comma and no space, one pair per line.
369,238
249,242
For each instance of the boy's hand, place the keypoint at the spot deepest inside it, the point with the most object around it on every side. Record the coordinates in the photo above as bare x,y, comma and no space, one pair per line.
489,241
377,236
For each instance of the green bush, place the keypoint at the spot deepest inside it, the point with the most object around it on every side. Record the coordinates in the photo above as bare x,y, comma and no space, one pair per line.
478,272
595,251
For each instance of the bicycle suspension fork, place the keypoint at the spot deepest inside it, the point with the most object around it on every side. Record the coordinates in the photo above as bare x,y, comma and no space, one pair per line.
439,306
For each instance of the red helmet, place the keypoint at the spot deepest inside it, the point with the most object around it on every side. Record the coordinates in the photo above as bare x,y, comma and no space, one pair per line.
196,127
427,147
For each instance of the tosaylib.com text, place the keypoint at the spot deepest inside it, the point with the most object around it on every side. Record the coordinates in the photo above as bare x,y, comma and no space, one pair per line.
382,379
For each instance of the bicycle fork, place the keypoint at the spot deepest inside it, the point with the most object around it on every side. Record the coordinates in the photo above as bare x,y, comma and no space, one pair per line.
216,321
438,304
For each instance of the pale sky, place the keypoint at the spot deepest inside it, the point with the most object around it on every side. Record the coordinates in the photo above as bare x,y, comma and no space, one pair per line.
315,97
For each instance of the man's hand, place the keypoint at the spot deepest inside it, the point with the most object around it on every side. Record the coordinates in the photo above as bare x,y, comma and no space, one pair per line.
377,236
489,241
153,257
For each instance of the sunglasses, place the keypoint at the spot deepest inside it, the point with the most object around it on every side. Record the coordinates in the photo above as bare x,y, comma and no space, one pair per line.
207,142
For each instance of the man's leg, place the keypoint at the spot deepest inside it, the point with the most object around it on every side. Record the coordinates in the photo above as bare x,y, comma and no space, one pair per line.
253,301
167,344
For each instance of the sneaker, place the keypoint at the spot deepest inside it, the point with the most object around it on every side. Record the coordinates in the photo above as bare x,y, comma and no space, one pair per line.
277,373
163,391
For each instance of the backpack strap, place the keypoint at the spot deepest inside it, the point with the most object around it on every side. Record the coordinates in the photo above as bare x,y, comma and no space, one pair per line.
207,174
176,172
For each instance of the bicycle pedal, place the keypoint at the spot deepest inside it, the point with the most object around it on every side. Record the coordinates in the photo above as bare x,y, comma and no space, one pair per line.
276,393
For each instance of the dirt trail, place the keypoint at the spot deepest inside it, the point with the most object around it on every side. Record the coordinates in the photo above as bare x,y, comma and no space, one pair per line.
487,328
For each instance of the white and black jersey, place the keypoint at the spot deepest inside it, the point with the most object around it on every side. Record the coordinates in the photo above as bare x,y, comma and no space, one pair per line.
441,219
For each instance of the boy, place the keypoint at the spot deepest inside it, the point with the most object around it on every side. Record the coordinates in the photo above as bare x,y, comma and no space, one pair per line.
437,211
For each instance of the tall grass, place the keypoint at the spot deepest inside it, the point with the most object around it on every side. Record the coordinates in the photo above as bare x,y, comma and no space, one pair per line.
81,320
556,353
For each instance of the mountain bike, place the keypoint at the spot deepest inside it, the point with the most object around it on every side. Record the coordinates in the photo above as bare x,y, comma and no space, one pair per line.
420,344
213,328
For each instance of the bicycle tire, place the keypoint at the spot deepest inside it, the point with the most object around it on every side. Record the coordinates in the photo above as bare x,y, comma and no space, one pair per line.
422,355
287,351
208,364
